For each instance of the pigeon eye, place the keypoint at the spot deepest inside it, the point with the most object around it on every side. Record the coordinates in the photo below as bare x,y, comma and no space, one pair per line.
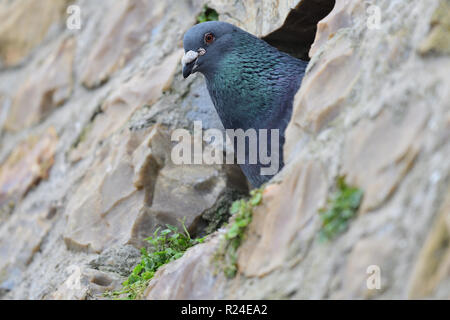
209,38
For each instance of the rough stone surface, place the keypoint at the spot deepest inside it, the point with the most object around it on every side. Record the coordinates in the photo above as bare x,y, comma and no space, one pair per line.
192,277
375,108
26,166
18,39
379,153
438,41
142,89
4,109
85,141
154,192
291,205
124,30
49,87
117,259
85,284
433,264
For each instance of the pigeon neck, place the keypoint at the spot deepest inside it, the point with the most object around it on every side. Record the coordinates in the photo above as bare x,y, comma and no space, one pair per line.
236,105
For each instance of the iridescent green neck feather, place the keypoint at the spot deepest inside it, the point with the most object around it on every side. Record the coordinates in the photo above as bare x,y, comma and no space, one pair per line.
253,84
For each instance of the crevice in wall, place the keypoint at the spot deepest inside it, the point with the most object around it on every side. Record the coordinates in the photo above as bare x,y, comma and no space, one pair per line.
298,31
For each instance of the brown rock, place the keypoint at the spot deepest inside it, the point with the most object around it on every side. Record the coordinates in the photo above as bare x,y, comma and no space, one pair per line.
20,238
390,135
330,78
150,157
84,283
257,17
379,153
4,108
432,267
192,277
185,192
46,88
339,17
125,29
133,187
104,208
196,275
285,211
324,91
24,24
180,192
438,41
375,253
143,89
28,163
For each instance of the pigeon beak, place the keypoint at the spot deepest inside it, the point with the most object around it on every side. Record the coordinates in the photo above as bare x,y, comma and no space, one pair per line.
189,63
189,68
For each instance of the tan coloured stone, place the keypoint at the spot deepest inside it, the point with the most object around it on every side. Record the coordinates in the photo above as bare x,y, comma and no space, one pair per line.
125,29
433,263
4,108
133,187
288,25
20,238
150,157
368,256
45,89
181,192
438,41
196,275
28,163
339,17
324,91
24,24
393,78
257,17
378,154
104,208
84,283
285,211
143,89
202,185
193,277
297,33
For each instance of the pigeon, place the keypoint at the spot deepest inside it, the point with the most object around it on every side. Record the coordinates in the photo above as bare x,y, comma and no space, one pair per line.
251,84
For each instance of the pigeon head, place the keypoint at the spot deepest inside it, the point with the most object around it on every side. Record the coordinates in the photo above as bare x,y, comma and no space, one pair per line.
205,44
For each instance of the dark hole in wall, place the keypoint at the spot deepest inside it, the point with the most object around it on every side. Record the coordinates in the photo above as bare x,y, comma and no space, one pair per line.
297,33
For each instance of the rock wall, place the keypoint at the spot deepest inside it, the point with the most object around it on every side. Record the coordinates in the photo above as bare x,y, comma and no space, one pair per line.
86,174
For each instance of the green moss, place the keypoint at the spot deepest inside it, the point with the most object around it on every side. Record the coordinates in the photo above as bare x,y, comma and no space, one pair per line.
207,14
341,209
165,246
242,211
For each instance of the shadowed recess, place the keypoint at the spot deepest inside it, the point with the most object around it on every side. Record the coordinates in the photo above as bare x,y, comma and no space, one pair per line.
297,33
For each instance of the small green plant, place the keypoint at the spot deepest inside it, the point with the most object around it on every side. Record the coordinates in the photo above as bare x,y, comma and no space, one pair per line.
165,246
242,210
207,14
342,207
